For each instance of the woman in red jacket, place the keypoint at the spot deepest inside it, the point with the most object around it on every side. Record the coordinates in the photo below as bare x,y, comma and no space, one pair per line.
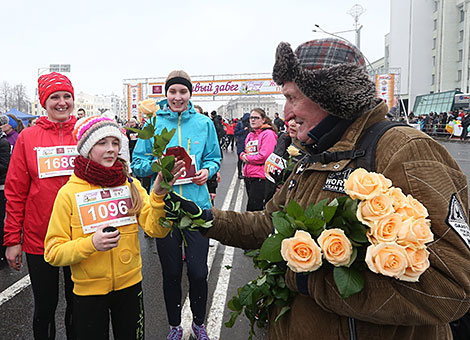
229,129
41,163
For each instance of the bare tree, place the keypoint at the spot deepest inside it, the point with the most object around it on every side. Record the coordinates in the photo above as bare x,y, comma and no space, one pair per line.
14,97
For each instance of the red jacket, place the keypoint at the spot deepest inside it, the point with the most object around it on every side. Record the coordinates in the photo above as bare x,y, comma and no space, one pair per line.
229,128
30,199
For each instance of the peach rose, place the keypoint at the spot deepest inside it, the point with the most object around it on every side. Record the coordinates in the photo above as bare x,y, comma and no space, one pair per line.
398,197
371,211
292,151
418,262
364,185
148,107
386,229
301,252
417,232
387,258
336,247
413,208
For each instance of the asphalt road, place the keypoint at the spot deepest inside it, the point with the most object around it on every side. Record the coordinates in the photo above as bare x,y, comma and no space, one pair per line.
16,306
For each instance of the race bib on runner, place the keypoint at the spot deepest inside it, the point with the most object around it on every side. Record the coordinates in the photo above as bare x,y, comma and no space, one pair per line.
252,147
104,206
273,165
56,160
187,175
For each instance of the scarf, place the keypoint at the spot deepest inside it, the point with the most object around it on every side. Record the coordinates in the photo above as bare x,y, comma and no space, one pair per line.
97,174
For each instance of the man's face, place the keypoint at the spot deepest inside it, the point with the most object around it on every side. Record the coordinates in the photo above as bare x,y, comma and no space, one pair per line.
306,113
80,114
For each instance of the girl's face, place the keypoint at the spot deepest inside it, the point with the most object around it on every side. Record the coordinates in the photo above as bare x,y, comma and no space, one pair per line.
256,121
106,151
178,97
59,106
292,129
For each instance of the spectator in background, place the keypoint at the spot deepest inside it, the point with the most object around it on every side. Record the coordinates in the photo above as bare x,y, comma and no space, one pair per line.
279,123
80,113
465,125
12,129
241,131
4,162
229,129
259,144
131,135
32,121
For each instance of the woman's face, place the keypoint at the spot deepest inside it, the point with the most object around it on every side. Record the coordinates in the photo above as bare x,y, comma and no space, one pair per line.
178,97
292,129
59,106
256,121
105,152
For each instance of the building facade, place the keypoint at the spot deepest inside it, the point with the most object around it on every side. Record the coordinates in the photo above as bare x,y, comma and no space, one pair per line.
236,108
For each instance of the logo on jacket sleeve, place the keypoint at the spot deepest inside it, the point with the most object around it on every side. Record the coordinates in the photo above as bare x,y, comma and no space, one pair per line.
335,181
456,220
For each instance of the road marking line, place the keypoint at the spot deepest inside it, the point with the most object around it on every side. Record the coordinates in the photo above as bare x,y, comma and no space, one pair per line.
216,313
14,289
186,314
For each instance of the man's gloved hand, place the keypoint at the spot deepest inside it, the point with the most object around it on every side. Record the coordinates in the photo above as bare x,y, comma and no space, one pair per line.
188,206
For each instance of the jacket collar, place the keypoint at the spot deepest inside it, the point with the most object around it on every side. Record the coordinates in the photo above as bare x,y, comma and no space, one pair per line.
165,109
46,124
351,137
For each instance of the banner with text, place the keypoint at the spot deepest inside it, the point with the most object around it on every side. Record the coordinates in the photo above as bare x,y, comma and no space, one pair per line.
385,87
134,95
236,87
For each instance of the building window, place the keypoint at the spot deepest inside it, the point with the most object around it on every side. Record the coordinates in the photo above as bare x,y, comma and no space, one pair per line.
460,55
459,75
433,43
435,24
436,5
461,36
432,79
433,60
462,14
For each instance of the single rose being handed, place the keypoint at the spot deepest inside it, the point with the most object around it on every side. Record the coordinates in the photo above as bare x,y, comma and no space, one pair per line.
148,107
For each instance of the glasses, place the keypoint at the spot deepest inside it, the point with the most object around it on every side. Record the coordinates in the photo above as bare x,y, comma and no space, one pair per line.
254,118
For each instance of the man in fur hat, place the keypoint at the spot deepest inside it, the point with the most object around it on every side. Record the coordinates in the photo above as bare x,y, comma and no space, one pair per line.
330,96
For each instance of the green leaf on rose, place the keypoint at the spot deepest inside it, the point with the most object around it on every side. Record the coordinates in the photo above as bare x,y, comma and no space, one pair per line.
282,226
358,233
147,132
271,248
294,209
348,280
316,210
329,212
283,311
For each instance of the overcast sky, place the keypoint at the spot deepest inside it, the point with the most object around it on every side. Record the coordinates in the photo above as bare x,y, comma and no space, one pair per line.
108,41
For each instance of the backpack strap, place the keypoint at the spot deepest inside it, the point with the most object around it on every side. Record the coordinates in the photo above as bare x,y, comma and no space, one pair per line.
368,143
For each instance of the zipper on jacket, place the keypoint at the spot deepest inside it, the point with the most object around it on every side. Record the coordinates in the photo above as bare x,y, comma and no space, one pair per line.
180,144
352,329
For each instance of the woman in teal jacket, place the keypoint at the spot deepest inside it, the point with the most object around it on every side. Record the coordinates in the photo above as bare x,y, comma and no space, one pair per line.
196,133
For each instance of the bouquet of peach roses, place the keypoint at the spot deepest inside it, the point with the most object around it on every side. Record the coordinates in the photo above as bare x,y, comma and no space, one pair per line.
375,227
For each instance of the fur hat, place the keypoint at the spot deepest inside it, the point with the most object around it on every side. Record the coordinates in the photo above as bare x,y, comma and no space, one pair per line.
53,82
90,130
4,119
331,72
178,77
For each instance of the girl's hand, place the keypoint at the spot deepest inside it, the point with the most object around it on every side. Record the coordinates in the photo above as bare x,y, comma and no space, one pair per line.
104,241
14,256
177,171
201,177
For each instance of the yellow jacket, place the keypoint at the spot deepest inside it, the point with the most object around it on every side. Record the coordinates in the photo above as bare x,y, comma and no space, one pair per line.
98,272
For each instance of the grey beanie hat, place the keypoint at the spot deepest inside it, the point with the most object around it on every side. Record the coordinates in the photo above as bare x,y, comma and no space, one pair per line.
331,72
4,120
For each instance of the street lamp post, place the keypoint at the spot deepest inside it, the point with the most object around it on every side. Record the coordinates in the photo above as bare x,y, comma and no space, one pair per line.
50,68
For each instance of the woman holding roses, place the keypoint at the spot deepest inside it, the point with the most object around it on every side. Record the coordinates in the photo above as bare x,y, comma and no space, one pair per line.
195,133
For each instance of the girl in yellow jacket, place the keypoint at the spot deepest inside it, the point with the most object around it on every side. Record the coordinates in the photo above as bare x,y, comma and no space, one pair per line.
94,229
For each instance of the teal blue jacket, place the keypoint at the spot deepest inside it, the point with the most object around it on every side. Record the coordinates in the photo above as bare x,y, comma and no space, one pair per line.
196,133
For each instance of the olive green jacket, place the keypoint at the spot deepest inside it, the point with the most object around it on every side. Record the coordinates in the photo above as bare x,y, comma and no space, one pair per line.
386,308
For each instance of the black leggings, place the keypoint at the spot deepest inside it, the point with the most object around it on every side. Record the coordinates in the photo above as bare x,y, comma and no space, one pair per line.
45,285
91,314
255,188
3,203
170,254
